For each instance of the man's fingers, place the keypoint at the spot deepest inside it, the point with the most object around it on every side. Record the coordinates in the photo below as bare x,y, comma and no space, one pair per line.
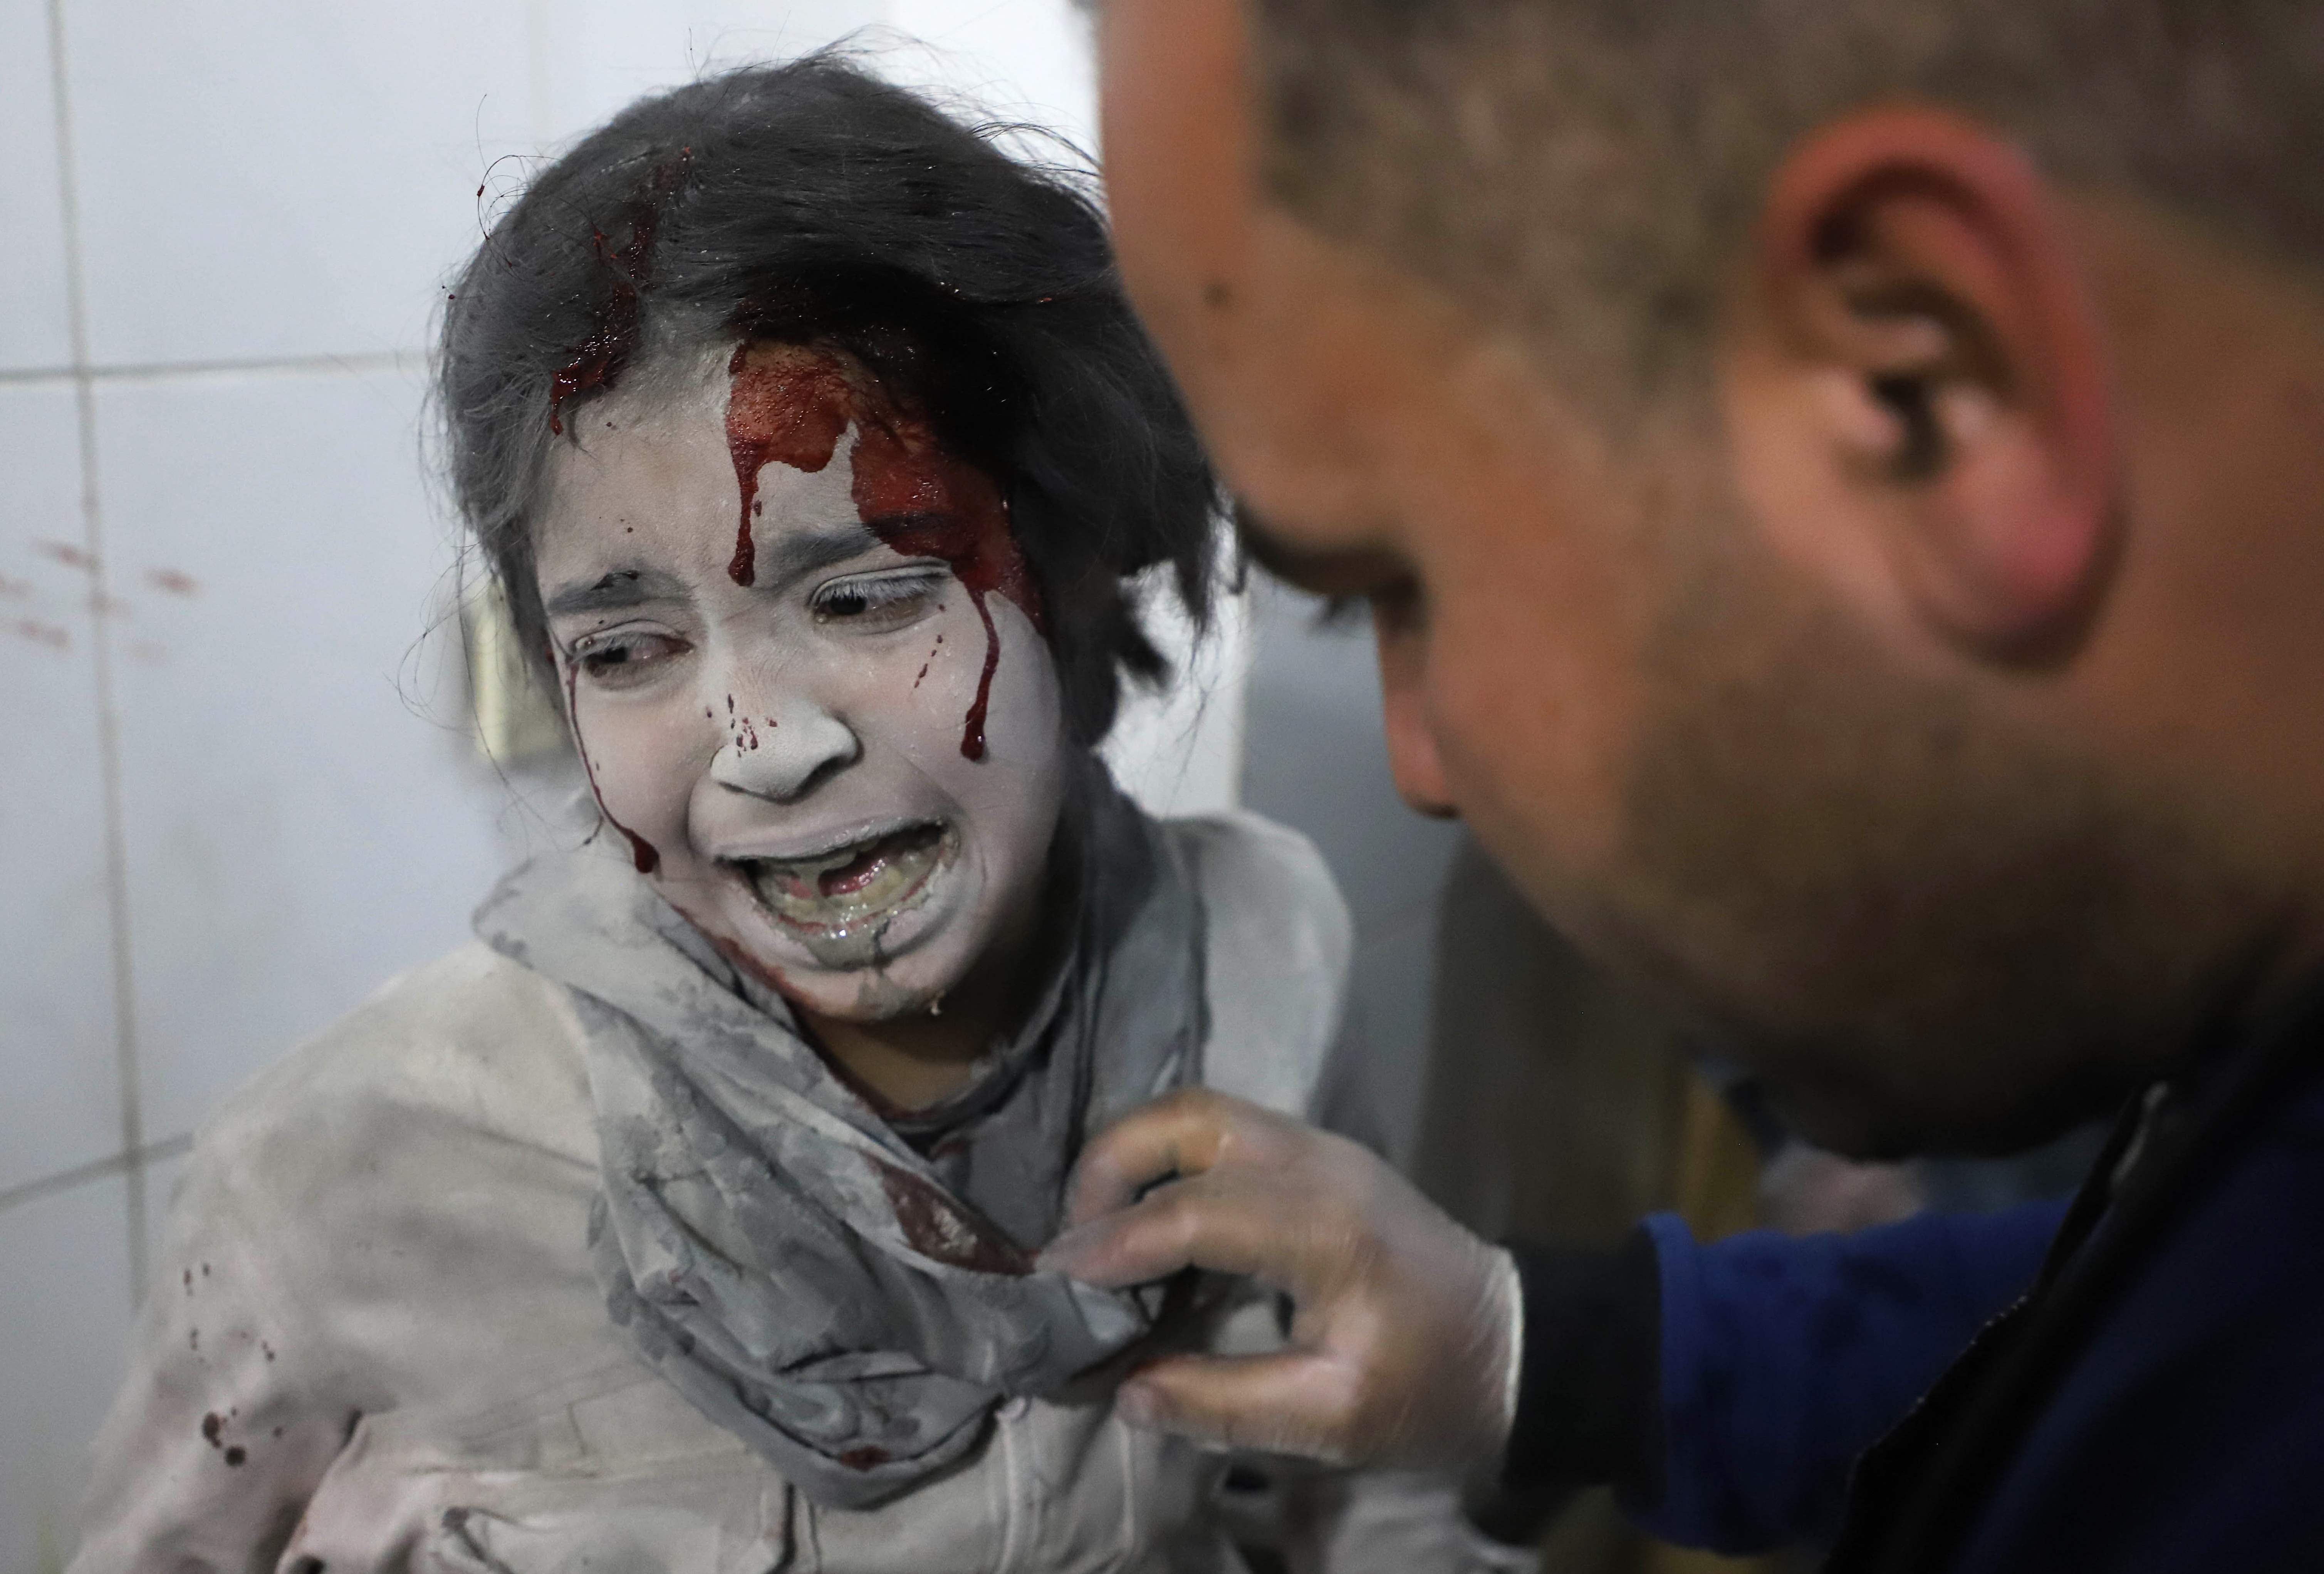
1291,1403
1182,1134
1229,1223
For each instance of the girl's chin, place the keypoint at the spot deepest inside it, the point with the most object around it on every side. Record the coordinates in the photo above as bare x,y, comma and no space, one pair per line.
858,977
864,997
905,967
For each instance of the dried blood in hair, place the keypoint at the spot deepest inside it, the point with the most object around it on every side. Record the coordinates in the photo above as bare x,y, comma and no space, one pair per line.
614,317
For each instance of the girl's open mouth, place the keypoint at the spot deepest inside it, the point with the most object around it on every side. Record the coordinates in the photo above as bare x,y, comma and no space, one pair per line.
852,885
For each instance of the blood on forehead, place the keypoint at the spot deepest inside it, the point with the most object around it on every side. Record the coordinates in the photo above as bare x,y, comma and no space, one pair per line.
784,405
789,404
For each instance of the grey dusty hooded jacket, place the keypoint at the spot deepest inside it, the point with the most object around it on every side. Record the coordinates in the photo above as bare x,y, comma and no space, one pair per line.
377,1342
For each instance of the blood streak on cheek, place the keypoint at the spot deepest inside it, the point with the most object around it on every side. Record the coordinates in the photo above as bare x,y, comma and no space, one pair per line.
924,503
643,852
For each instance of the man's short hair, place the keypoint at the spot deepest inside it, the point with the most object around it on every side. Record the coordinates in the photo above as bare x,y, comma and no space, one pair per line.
1584,171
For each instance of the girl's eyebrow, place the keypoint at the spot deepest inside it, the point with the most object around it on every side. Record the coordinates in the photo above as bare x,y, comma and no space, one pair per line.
623,587
794,554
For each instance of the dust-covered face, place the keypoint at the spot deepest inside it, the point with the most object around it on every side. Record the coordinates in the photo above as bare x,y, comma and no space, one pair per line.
802,656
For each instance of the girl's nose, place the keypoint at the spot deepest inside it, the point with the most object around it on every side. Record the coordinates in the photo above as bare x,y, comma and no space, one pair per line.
783,751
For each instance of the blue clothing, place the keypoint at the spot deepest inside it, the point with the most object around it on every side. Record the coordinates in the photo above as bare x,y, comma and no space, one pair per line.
2153,1403
1783,1358
2188,1432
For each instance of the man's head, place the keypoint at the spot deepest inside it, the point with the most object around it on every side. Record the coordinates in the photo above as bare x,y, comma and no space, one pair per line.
1835,484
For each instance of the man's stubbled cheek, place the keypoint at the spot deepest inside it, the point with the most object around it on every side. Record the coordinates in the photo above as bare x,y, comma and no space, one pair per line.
790,405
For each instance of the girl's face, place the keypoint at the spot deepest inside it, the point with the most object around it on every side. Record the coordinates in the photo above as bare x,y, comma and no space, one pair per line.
803,661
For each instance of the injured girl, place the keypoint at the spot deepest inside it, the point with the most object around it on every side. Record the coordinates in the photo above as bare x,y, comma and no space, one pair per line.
685,1220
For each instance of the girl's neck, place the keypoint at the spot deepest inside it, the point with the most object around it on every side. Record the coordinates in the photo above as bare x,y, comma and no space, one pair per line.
907,1062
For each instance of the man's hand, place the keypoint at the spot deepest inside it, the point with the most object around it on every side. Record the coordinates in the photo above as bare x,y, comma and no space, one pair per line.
1402,1341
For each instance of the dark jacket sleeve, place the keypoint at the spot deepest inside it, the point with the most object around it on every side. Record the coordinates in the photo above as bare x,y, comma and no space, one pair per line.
1725,1390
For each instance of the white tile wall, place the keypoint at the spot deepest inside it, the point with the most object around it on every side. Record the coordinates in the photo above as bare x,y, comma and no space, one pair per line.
592,57
275,178
57,1031
302,811
65,1303
34,330
1025,59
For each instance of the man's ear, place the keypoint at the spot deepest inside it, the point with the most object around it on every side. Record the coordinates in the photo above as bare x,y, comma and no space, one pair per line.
1914,383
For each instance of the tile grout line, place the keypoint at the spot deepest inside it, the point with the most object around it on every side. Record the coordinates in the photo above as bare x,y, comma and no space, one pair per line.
108,739
165,371
118,1164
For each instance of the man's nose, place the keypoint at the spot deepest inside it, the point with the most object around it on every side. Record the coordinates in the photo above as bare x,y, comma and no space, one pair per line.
1412,757
782,748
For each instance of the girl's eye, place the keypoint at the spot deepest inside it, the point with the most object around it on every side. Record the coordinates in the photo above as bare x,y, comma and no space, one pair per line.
625,660
873,603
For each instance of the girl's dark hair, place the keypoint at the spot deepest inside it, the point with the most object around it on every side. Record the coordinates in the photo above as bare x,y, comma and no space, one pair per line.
812,203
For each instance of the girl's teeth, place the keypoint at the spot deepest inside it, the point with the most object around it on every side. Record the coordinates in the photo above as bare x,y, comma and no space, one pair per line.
852,885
